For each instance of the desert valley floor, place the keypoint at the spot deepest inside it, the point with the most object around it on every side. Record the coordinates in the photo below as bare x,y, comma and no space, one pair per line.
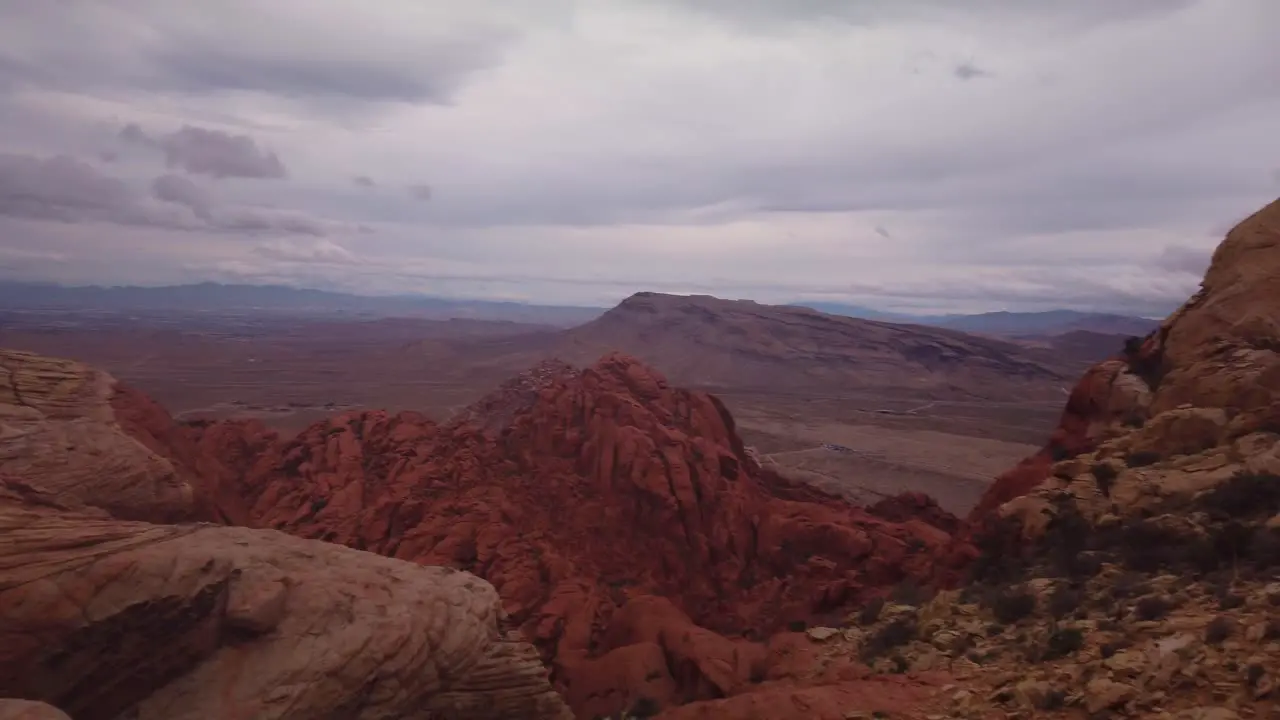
289,371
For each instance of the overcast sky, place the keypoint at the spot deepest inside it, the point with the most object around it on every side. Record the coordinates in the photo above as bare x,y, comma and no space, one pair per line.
902,154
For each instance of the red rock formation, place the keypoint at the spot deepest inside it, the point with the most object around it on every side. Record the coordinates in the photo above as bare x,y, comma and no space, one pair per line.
610,488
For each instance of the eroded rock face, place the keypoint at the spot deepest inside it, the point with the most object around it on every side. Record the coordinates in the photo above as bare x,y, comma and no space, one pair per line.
100,616
58,429
1195,403
609,486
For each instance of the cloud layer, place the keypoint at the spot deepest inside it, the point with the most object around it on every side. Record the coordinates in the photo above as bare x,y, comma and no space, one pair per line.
906,154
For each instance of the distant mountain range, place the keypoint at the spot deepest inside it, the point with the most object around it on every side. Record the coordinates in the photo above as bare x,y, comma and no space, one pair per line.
221,298
1012,324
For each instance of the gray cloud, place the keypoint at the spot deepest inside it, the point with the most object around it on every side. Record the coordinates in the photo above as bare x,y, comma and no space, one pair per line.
64,189
261,220
747,147
182,191
1074,16
320,251
420,192
969,71
201,151
350,51
68,190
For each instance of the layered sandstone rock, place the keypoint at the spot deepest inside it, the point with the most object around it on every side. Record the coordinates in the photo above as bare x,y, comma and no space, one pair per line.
58,428
100,617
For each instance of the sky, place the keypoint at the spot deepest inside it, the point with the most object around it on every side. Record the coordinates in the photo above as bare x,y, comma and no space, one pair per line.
909,155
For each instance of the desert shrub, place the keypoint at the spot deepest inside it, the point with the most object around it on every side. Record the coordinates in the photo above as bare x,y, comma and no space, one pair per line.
1053,700
1141,458
797,626
892,635
644,707
1152,607
1064,600
910,592
1254,673
1244,495
1130,584
870,612
1063,642
1058,453
1012,604
1230,601
1144,545
1066,541
1105,475
1219,629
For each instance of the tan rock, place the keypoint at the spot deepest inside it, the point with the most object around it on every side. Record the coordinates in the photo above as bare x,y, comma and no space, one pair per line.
58,431
28,710
100,616
1104,694
1209,713
1183,431
822,633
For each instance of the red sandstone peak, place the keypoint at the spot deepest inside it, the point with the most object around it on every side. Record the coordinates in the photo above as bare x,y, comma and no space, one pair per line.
607,485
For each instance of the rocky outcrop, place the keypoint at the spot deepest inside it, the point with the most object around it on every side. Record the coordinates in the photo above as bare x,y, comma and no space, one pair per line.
608,487
1129,568
59,430
104,616
100,617
1207,377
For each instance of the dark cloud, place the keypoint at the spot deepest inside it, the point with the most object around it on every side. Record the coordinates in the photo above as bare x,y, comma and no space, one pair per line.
882,232
60,188
421,193
245,46
201,151
364,181
68,190
255,220
182,191
969,71
1078,15
108,156
215,66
